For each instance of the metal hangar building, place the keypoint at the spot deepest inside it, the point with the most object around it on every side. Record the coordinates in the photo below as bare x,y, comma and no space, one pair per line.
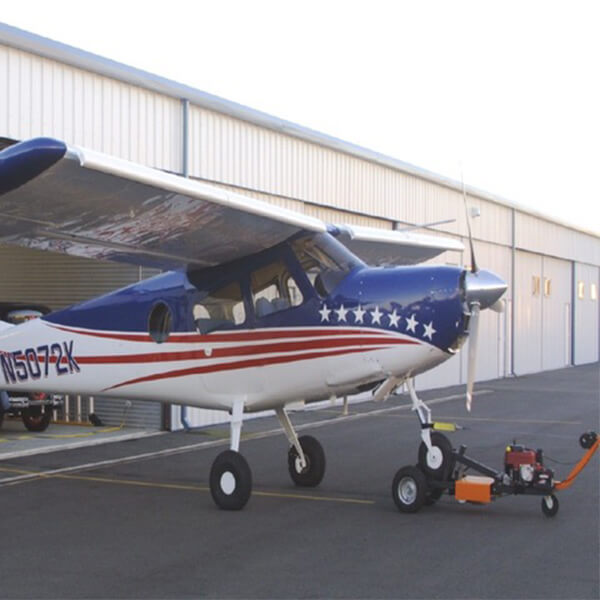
51,89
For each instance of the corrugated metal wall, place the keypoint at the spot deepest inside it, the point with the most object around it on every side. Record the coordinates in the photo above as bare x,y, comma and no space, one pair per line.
42,96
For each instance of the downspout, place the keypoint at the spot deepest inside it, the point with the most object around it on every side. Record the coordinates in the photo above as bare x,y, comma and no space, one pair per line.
185,107
513,311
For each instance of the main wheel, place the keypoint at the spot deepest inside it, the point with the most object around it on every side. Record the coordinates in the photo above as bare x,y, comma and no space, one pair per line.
36,418
438,462
230,481
314,470
409,489
550,505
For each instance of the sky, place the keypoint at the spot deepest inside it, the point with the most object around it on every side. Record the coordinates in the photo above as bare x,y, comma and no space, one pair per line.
506,92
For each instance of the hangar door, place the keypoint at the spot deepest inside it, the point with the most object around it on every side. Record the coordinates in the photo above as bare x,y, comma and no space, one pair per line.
527,313
556,313
587,313
57,281
543,313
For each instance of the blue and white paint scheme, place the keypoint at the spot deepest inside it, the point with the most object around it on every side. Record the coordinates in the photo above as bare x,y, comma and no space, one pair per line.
259,307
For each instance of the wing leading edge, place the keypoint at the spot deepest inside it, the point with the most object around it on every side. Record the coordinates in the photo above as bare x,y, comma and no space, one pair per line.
88,204
80,202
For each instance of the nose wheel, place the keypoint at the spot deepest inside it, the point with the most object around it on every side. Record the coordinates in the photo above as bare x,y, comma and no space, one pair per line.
437,462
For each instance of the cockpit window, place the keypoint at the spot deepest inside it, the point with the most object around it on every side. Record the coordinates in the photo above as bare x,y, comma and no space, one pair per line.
222,308
274,289
324,260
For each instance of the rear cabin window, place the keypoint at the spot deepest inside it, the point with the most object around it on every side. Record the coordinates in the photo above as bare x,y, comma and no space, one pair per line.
274,289
220,309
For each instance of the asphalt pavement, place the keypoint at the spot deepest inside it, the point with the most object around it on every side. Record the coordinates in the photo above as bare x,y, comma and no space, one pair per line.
135,519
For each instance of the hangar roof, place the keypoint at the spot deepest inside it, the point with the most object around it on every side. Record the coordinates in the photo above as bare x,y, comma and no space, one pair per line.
30,42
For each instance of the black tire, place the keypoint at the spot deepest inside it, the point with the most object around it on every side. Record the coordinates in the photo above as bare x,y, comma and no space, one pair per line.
587,440
36,418
433,495
550,505
230,480
409,489
313,472
1,417
442,468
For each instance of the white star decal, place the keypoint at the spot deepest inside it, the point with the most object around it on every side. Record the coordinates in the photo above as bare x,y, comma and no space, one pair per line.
376,316
429,330
341,313
411,324
394,318
325,312
359,313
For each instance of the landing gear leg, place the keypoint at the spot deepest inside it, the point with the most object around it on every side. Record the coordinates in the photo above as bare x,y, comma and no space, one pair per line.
230,475
306,458
435,451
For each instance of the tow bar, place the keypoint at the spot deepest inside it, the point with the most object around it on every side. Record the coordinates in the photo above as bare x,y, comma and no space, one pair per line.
524,473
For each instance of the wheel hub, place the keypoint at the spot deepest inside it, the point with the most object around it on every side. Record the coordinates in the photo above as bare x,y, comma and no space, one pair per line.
227,483
435,458
407,490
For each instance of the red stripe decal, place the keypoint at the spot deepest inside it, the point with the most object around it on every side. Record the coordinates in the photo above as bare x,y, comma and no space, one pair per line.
234,336
242,364
241,350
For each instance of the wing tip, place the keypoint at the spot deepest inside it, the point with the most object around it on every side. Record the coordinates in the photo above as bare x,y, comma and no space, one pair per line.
26,160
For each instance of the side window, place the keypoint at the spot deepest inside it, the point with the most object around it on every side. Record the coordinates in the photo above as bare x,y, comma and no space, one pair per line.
222,308
274,289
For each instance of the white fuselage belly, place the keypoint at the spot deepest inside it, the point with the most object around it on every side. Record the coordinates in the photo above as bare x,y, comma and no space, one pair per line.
264,367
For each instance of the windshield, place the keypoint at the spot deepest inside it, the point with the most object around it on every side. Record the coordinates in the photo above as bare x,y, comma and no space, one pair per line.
324,260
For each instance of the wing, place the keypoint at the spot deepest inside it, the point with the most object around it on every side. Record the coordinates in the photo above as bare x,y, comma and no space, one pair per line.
387,247
67,199
75,201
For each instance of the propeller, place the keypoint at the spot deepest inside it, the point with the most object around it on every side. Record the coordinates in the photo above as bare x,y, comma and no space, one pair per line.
483,289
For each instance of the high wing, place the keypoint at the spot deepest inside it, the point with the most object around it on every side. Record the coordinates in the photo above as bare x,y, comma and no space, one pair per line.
77,201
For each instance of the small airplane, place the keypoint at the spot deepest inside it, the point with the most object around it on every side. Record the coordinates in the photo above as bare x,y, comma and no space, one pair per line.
259,307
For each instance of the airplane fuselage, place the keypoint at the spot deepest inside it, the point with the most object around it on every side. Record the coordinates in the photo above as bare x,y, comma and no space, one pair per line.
160,339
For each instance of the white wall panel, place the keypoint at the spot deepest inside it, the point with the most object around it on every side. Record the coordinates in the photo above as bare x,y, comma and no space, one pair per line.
556,313
587,321
545,237
43,97
242,154
528,314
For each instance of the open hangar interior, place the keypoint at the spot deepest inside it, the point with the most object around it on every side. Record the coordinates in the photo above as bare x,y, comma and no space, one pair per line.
551,317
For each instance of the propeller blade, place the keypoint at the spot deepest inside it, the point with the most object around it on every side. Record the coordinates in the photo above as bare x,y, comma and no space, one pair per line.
473,333
498,306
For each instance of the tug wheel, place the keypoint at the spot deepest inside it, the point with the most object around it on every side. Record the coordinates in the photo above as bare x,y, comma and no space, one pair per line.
439,462
433,495
587,440
230,481
409,489
314,470
550,505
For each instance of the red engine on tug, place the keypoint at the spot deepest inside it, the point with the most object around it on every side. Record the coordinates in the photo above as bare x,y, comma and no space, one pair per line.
526,467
